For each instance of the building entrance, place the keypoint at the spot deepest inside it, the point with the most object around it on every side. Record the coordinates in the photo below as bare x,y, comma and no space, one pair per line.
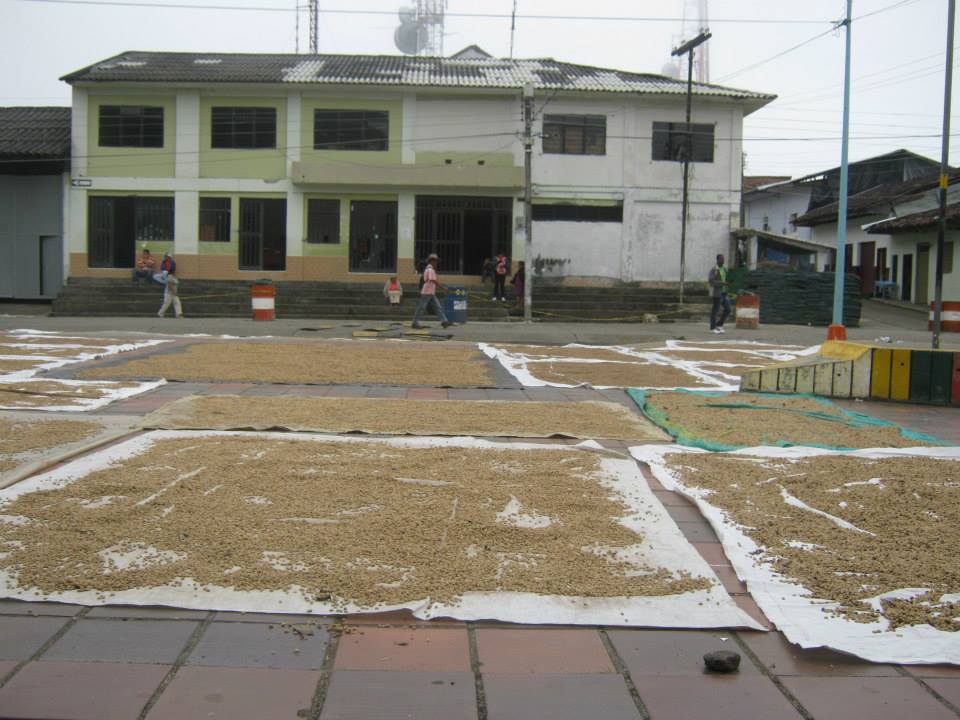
462,231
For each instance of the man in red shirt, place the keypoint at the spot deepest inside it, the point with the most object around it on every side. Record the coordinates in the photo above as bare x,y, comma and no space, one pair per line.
428,293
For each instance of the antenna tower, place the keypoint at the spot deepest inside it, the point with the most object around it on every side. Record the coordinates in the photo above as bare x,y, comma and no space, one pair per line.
696,19
314,21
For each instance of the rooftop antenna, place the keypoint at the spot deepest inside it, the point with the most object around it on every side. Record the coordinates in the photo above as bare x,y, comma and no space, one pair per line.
696,20
513,26
314,21
421,28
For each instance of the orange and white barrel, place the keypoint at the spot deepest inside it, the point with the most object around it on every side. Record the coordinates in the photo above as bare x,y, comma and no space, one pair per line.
748,312
949,317
264,301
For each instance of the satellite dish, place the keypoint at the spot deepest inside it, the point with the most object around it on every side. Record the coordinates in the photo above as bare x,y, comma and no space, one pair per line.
672,70
406,38
407,14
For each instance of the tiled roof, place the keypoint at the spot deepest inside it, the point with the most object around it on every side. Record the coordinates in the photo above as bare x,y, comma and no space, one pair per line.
876,200
752,182
34,132
395,70
917,222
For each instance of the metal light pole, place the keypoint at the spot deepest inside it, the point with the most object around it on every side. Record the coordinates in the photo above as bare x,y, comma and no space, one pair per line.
687,47
944,181
837,331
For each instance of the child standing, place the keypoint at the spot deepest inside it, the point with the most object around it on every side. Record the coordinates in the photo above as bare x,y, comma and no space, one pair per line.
393,291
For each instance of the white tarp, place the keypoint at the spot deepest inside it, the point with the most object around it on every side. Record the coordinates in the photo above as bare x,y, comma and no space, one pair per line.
789,605
663,546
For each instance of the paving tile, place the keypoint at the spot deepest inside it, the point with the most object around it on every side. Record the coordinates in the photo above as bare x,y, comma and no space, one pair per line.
80,691
21,636
133,641
712,552
679,697
949,688
233,644
886,698
672,652
558,697
398,617
505,394
386,391
417,393
348,391
21,607
669,498
6,666
405,649
272,618
731,583
750,607
934,671
385,695
699,532
542,651
785,658
154,613
685,513
467,394
236,694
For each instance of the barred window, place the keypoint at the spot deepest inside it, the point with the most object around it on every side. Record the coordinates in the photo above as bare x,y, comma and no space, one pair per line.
243,127
131,126
351,129
214,219
575,134
670,142
323,221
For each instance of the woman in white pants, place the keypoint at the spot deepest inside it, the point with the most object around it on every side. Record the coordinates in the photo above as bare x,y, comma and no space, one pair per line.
170,296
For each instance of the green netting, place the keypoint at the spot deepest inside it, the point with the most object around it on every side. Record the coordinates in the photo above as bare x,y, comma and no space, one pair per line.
840,416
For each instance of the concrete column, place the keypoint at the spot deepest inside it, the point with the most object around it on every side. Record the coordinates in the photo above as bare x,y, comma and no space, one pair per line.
406,210
408,152
295,136
296,231
78,133
187,137
186,213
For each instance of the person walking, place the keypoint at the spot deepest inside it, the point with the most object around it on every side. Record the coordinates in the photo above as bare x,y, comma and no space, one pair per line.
718,293
170,296
501,268
428,294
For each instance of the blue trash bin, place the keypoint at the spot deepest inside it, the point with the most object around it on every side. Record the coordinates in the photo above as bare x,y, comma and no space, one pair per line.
455,304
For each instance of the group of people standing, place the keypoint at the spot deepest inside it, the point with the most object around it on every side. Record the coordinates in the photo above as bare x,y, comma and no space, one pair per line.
166,276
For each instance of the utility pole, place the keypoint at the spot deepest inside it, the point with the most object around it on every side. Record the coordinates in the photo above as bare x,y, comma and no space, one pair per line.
528,201
837,331
687,47
944,179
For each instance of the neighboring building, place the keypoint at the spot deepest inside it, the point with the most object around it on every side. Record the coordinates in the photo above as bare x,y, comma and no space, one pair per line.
911,239
795,222
34,160
341,167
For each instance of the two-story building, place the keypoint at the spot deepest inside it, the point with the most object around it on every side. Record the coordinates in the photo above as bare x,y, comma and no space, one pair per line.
342,167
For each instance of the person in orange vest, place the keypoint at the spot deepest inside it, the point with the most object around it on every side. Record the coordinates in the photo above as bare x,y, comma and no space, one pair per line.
501,268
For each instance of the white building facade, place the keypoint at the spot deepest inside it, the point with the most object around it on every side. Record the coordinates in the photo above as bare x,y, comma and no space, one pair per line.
351,168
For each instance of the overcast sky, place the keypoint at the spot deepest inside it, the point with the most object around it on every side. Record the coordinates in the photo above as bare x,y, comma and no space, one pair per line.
898,54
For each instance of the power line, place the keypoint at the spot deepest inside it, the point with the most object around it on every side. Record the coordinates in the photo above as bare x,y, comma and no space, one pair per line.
468,15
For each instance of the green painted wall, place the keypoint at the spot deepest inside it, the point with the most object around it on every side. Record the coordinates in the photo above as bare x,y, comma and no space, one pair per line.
266,163
127,161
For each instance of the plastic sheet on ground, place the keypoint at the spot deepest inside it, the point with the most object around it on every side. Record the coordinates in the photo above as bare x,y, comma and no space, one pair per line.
664,546
28,389
522,367
832,414
789,605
